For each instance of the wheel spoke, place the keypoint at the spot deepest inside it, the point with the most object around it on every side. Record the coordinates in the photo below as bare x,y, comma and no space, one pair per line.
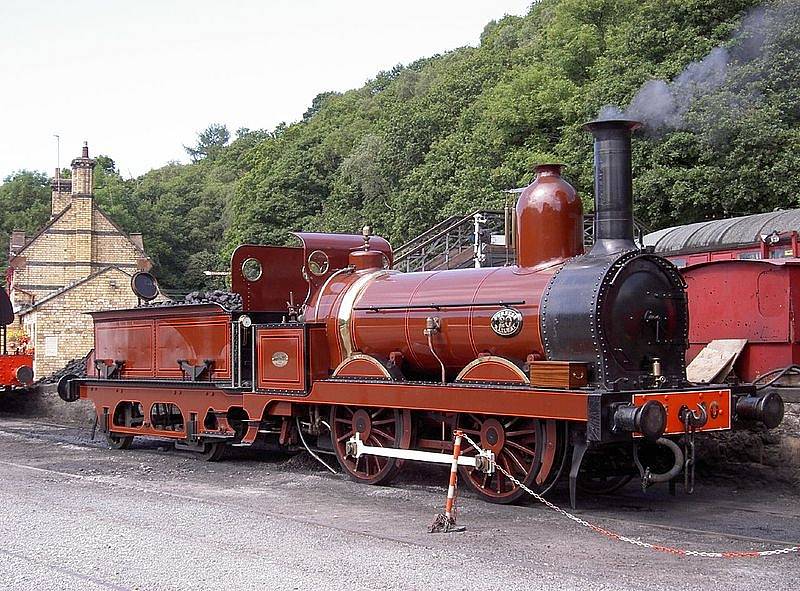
345,436
500,477
518,433
383,434
510,454
478,421
522,448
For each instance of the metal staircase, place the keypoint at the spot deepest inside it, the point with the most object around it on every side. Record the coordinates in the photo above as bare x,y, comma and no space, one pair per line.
483,238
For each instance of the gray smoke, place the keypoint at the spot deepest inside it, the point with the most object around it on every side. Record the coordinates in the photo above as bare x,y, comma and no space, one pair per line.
662,106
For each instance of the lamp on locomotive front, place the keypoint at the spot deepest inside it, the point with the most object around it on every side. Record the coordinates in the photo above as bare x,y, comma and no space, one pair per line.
549,219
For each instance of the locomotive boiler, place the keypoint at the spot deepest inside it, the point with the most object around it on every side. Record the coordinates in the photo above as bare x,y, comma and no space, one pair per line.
563,353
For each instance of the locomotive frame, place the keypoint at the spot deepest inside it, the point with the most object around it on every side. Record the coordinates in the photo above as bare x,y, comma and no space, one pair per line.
567,352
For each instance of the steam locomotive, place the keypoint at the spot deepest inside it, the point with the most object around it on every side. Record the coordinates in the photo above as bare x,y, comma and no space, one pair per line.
16,368
563,353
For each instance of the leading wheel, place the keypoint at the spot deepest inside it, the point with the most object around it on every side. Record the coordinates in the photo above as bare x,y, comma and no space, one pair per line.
116,441
516,443
378,427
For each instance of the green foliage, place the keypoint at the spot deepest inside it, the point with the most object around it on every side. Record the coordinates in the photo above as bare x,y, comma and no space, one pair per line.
24,205
210,142
447,133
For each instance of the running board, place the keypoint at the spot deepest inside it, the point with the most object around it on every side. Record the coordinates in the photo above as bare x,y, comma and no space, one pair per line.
484,461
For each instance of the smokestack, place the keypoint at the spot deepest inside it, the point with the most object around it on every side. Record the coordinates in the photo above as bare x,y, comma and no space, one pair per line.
613,185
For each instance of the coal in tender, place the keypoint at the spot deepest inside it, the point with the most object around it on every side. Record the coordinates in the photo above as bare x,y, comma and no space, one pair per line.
226,299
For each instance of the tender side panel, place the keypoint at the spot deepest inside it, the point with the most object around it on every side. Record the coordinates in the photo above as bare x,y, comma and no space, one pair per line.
195,340
151,348
130,341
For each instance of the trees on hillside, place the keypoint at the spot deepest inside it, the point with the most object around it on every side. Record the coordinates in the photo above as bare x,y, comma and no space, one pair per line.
447,133
24,205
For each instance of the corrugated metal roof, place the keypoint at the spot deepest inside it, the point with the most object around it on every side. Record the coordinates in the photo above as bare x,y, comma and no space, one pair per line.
723,233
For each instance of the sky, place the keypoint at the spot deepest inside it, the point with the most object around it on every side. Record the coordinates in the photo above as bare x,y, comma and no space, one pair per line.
139,79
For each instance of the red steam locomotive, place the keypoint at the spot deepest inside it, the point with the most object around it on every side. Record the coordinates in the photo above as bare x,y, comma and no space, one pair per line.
539,362
16,368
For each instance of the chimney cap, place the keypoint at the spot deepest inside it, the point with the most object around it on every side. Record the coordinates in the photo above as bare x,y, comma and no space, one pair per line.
597,124
85,151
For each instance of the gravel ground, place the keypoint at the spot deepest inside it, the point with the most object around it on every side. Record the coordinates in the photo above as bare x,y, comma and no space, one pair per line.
78,516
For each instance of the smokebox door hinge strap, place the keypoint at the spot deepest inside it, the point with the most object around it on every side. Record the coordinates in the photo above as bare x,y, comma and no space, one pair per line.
195,372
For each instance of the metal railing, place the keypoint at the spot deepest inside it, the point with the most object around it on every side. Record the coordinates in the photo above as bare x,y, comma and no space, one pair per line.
483,238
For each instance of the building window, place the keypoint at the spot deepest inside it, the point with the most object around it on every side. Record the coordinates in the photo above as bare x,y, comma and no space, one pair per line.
51,346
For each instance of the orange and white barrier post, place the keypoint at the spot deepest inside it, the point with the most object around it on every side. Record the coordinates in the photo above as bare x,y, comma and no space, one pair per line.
447,522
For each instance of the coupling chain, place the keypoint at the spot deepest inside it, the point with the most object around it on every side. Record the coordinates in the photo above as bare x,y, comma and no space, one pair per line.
632,541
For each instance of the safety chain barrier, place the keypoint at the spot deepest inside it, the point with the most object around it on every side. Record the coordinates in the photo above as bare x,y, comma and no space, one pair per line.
621,538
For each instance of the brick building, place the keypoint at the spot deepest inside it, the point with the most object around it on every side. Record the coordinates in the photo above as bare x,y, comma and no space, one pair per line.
80,261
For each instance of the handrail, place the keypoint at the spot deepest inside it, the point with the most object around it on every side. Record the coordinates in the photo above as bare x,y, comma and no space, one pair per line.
455,235
447,222
461,221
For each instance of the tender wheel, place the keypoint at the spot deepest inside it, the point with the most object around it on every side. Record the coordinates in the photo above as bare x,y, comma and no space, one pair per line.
116,441
516,443
379,427
214,451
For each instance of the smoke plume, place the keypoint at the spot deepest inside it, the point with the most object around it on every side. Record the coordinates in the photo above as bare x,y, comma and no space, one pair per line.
663,106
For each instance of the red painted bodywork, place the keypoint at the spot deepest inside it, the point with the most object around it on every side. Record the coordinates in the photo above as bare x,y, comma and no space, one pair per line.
281,359
285,276
379,324
150,341
787,246
720,400
548,202
757,300
375,313
9,365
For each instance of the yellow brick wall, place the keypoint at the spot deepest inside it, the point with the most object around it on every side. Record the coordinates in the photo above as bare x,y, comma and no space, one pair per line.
116,248
57,246
59,201
63,320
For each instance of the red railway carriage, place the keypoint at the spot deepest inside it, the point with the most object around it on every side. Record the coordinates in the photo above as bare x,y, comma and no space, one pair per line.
538,362
742,275
16,368
754,300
